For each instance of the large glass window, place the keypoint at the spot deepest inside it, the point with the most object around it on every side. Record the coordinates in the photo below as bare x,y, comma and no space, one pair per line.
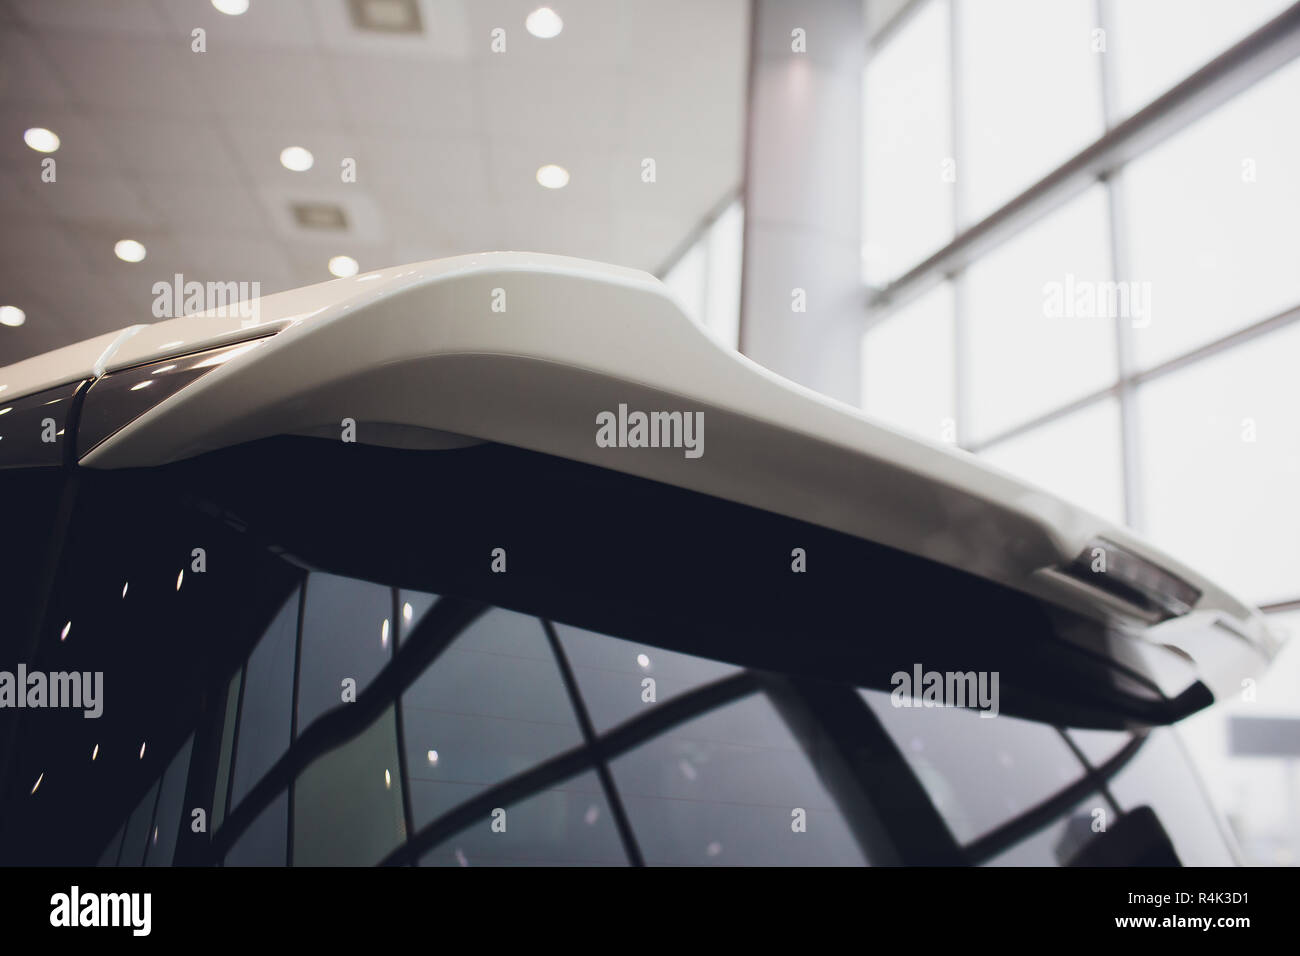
1222,464
1077,456
1212,221
910,171
705,279
1156,43
908,371
1037,339
1029,94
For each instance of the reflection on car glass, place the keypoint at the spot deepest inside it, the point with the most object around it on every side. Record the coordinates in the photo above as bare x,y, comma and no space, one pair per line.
612,674
1160,776
265,720
568,825
1019,763
1098,746
347,804
732,787
491,706
345,637
1059,842
412,606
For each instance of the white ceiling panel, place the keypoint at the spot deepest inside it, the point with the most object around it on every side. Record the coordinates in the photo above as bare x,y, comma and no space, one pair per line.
26,74
278,23
109,200
110,73
187,150
248,85
109,18
180,150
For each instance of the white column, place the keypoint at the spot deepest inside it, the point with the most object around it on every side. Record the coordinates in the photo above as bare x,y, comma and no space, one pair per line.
802,194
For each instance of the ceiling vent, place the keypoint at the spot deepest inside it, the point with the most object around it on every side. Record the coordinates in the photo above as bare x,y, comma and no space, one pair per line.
386,16
319,215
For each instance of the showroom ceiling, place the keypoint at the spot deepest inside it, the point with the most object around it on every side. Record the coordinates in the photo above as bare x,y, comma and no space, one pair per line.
180,150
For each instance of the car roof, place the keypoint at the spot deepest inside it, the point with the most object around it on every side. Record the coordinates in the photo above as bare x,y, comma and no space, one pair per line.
527,349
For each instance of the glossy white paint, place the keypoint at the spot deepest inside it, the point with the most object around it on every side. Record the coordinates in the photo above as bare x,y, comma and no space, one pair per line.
421,347
54,368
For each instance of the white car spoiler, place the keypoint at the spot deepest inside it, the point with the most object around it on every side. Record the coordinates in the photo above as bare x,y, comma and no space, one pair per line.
528,349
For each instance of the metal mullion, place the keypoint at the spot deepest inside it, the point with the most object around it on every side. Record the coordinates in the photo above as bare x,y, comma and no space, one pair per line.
1129,422
893,26
1273,323
1137,378
1046,418
1121,268
959,318
408,817
1281,607
234,745
615,802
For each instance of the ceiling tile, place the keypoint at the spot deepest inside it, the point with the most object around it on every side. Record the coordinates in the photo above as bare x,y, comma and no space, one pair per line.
181,150
187,150
80,142
258,146
405,93
128,19
277,23
203,208
26,75
310,260
120,75
110,201
259,86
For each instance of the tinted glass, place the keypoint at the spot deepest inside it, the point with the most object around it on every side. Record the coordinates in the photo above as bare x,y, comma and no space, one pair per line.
1020,763
732,787
346,692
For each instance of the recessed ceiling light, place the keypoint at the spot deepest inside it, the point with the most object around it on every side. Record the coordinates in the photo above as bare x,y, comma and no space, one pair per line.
41,139
553,177
128,250
12,316
544,23
296,158
343,266
231,8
